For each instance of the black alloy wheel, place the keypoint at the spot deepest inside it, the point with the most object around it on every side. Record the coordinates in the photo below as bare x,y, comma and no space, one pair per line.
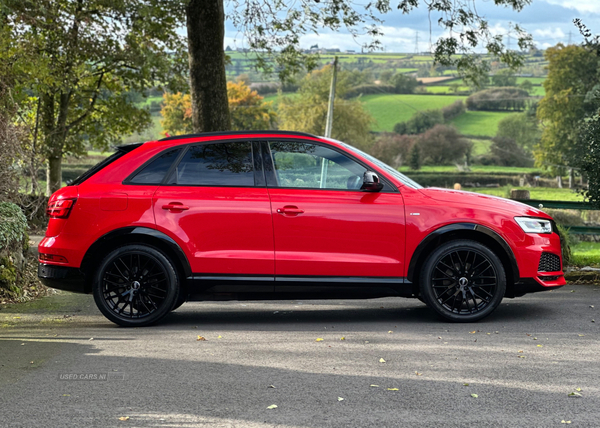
463,281
136,285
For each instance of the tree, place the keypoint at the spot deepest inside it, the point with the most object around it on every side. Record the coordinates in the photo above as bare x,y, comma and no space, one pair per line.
88,56
393,149
404,84
504,77
273,31
249,111
506,152
420,122
498,99
308,112
572,78
521,128
415,157
590,162
442,145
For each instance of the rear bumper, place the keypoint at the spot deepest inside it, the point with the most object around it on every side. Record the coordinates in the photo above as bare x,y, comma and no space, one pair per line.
63,278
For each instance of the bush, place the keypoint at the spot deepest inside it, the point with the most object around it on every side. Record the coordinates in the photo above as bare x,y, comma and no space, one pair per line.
403,83
370,89
520,127
392,149
590,162
498,99
453,110
420,122
415,158
443,145
13,245
507,152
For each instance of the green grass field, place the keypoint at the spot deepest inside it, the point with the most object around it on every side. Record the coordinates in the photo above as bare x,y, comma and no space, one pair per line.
490,169
444,89
480,147
389,109
586,254
483,123
547,193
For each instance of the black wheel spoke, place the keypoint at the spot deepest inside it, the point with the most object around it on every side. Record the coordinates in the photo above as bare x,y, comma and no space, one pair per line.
458,292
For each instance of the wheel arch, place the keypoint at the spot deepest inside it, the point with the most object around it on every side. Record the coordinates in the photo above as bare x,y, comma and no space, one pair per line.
476,232
133,235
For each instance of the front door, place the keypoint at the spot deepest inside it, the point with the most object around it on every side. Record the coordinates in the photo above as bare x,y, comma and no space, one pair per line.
219,210
324,225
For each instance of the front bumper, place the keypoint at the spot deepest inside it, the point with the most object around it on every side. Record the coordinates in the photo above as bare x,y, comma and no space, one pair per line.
63,278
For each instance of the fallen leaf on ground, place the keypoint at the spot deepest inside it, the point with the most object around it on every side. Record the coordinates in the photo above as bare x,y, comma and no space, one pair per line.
271,386
374,386
473,332
66,395
578,389
342,338
390,332
392,389
319,339
201,338
522,356
474,395
219,337
465,384
520,351
340,399
565,422
540,346
381,360
124,418
575,394
581,335
419,374
272,406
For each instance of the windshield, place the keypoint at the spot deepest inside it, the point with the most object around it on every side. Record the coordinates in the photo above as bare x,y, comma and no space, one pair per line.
401,177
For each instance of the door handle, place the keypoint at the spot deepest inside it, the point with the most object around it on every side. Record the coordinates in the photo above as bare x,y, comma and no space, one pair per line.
175,207
289,210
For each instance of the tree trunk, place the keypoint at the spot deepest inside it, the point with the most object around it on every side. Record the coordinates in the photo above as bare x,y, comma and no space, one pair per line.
54,174
208,82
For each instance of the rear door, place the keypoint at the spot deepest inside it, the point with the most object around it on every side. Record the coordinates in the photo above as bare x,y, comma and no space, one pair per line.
216,205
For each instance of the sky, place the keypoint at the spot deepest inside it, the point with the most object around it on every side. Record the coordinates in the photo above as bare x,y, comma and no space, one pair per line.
548,21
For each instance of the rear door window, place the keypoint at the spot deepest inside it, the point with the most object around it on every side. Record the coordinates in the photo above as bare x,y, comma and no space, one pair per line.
221,164
155,171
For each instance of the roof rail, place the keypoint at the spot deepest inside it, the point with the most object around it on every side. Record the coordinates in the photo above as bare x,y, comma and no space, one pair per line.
208,134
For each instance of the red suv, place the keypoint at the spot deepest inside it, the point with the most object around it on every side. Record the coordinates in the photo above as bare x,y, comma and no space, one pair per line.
284,215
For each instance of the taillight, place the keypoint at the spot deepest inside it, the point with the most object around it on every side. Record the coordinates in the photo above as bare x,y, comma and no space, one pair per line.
61,208
42,257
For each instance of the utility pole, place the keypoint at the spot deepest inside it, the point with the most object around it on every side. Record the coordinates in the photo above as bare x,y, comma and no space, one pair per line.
329,123
417,42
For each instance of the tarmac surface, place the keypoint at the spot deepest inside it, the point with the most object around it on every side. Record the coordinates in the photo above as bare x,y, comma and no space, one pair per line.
535,362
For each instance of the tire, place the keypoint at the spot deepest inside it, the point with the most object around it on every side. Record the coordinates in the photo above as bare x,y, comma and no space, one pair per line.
463,281
180,300
135,286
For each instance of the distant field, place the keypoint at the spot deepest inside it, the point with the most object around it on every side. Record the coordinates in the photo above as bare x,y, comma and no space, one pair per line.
483,123
389,109
490,169
444,89
547,193
533,80
480,147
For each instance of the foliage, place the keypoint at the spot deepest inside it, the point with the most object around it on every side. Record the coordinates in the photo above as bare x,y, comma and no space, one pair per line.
565,244
393,149
415,158
590,162
420,122
443,145
521,128
274,29
526,85
370,89
498,99
453,110
504,77
85,58
403,83
249,111
507,152
308,111
572,76
13,226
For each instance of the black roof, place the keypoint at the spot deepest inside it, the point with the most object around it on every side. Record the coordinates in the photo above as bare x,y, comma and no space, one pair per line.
207,134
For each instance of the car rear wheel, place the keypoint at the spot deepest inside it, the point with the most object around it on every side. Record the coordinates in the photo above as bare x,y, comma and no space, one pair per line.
135,286
463,281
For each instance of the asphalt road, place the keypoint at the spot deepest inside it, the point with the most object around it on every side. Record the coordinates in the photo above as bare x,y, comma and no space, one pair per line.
515,368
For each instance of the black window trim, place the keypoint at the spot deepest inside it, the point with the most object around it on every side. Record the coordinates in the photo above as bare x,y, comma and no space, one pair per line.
272,177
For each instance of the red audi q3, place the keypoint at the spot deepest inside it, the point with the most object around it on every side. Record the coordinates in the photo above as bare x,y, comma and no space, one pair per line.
284,215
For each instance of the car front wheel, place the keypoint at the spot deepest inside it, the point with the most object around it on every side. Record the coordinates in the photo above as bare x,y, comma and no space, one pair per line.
135,285
463,281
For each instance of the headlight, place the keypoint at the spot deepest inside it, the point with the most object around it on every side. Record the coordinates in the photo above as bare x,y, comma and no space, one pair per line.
534,225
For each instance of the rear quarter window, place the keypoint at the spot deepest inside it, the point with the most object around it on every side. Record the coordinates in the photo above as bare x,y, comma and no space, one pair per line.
156,170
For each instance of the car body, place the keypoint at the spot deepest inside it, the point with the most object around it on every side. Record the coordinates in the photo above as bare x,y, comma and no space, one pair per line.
284,215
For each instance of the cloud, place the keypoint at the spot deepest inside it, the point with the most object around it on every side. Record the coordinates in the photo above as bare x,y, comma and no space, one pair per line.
582,6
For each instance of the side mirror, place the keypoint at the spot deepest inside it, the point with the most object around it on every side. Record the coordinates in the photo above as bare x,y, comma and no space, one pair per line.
371,182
